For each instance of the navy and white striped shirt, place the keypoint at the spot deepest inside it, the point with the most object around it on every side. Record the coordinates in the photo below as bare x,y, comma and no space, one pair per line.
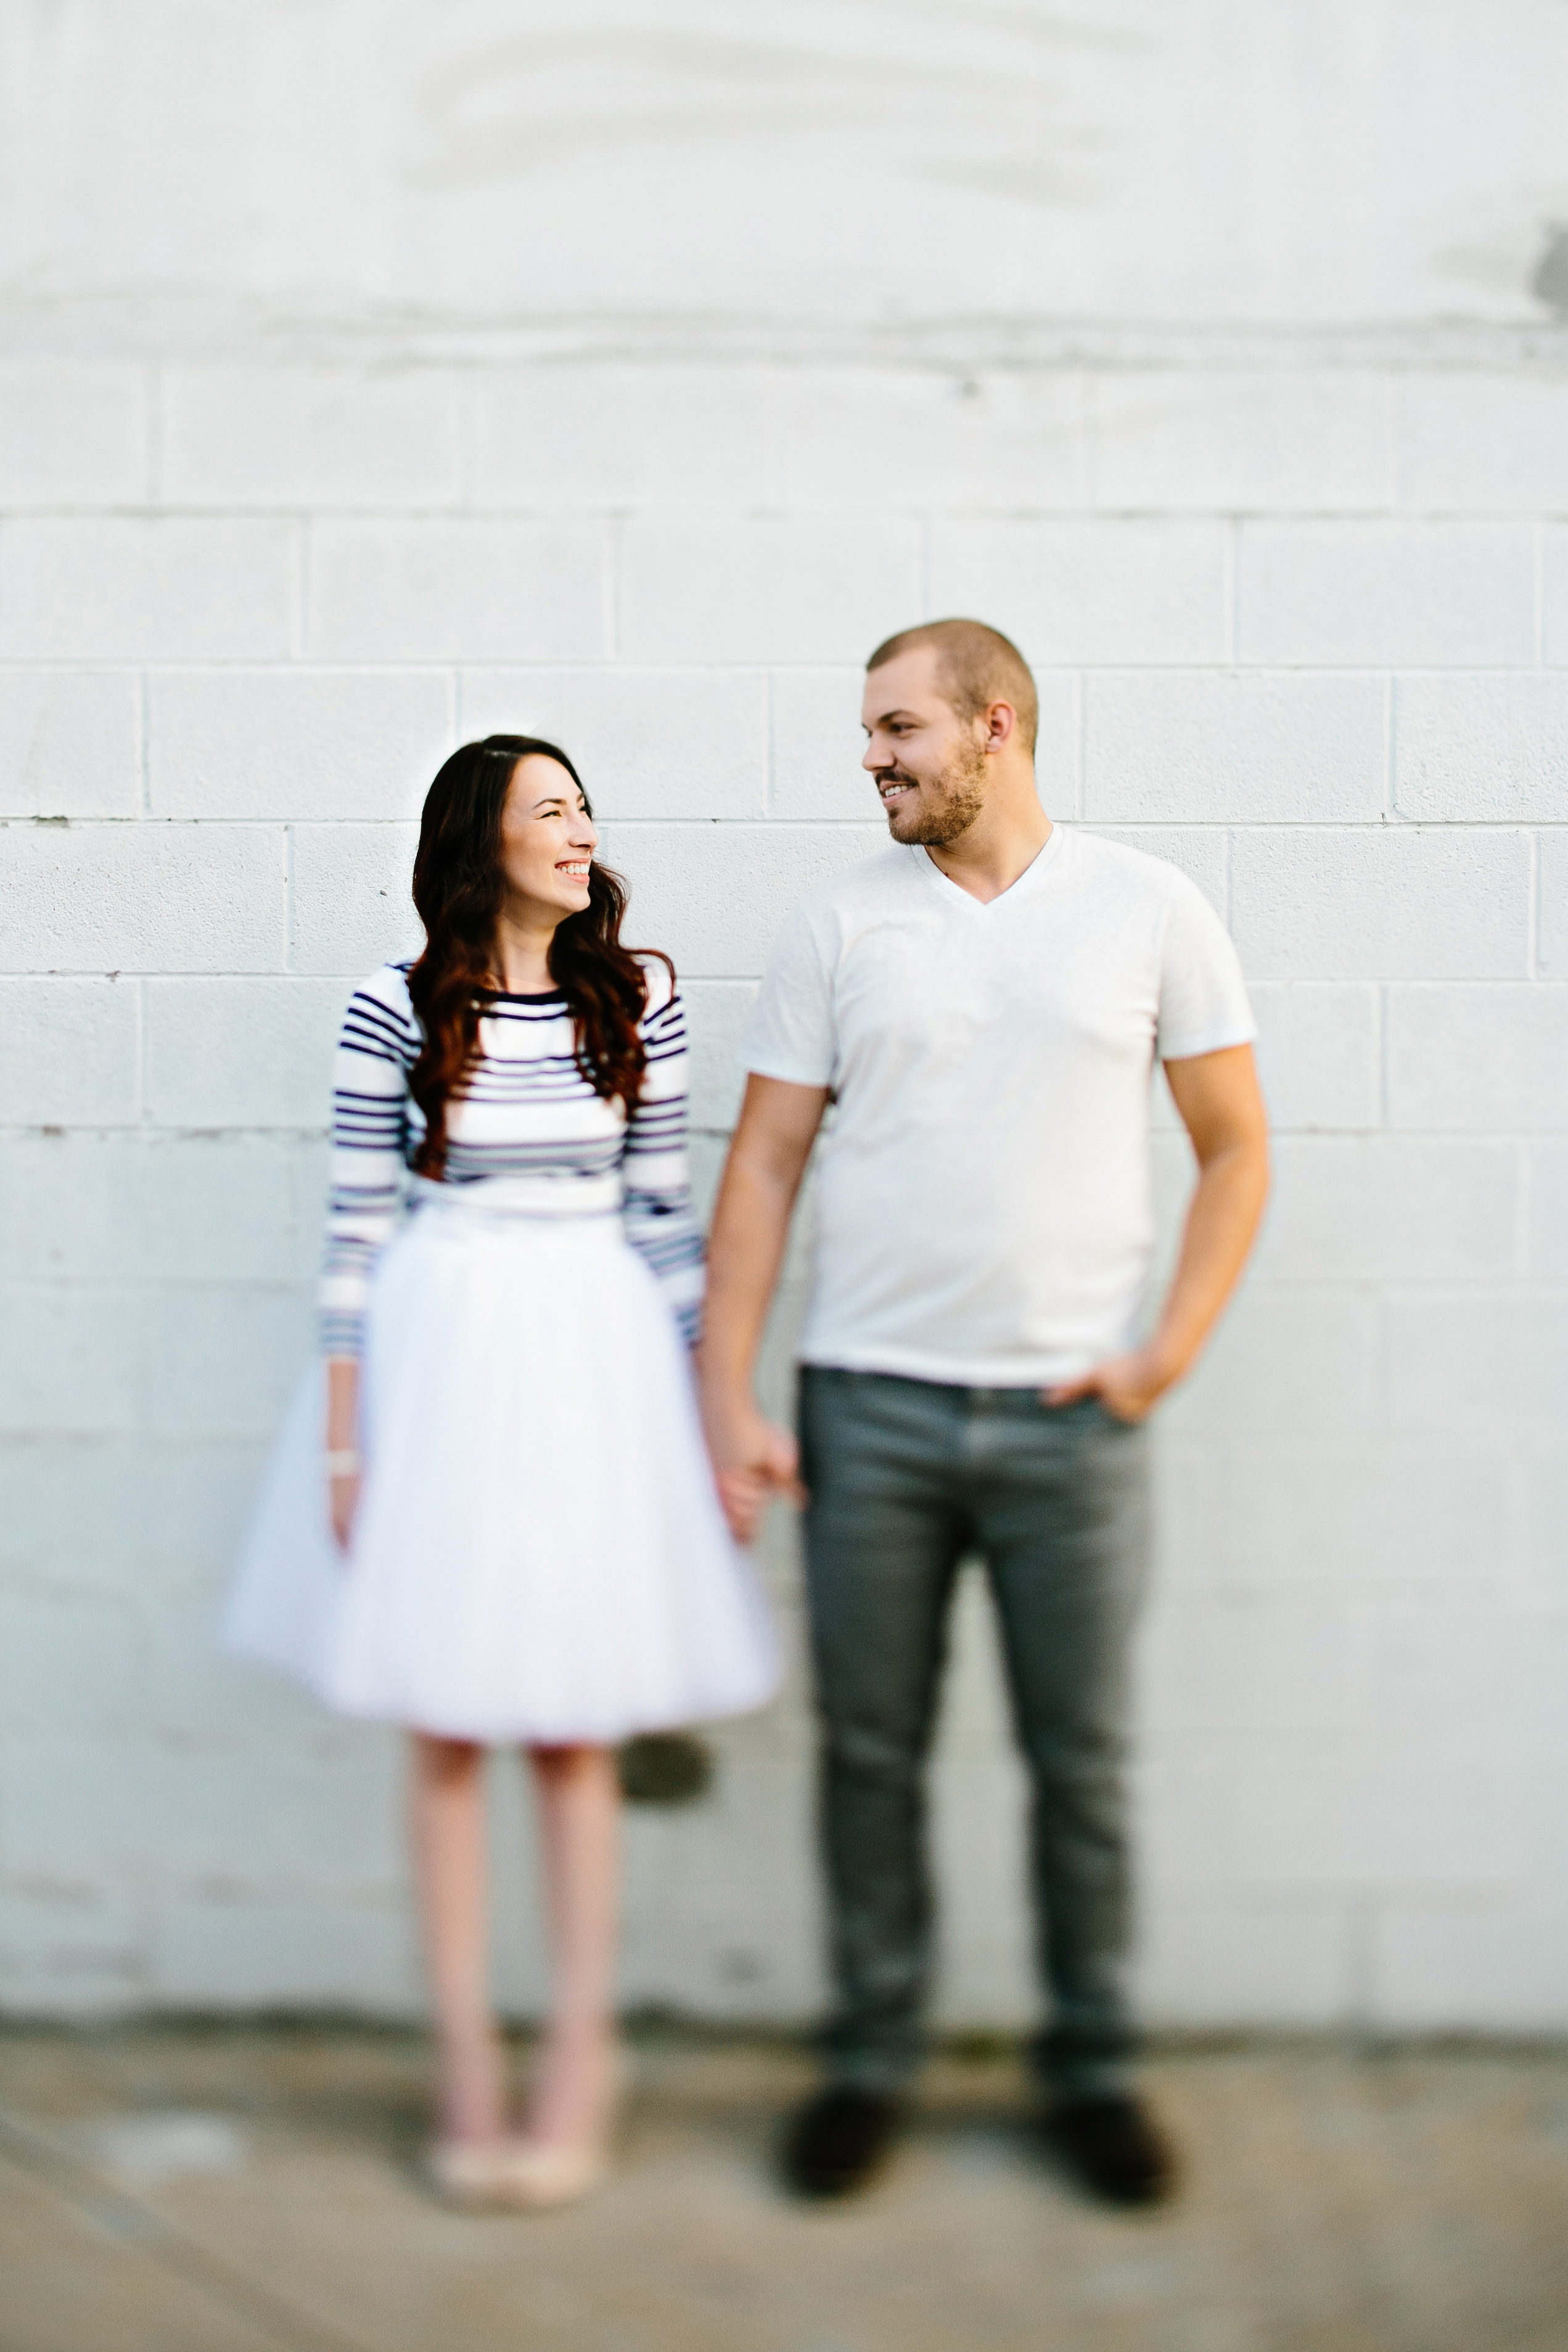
527,1111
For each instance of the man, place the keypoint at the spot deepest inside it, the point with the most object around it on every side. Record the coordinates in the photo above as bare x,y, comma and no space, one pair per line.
982,1003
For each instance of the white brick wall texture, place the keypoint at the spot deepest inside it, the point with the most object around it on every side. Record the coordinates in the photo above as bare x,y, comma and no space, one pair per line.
1299,606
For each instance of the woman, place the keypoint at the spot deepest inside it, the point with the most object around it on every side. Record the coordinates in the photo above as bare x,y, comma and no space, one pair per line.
513,1535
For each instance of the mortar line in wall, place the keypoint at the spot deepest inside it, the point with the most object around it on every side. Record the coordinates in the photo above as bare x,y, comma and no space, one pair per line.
375,665
1226,825
284,509
288,896
1390,747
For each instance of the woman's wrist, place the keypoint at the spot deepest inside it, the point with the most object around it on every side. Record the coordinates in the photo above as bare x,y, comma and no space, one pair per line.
342,1461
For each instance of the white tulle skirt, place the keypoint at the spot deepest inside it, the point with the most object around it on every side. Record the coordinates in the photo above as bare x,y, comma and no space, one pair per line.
539,1553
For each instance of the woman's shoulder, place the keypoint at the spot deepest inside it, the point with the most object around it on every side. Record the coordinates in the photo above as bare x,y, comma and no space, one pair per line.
389,984
383,994
664,995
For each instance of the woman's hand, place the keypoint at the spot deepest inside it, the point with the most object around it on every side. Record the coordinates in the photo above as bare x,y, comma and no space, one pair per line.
753,1462
343,1501
342,1437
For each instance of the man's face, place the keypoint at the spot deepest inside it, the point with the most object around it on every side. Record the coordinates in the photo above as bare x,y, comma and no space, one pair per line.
929,764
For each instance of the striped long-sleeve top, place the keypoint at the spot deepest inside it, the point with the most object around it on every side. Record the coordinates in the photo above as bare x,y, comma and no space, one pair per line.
527,1110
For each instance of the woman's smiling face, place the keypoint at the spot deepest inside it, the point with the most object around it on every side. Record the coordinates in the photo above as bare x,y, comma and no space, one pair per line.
548,838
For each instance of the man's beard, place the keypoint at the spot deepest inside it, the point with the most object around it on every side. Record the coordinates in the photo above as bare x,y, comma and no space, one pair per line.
962,787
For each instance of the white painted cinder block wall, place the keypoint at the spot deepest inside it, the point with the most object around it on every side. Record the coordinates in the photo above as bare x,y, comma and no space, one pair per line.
1298,598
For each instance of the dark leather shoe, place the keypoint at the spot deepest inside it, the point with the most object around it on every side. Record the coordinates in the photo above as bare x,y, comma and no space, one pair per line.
840,2140
1116,2147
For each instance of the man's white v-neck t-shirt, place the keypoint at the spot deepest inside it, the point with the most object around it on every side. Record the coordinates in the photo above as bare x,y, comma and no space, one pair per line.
984,1210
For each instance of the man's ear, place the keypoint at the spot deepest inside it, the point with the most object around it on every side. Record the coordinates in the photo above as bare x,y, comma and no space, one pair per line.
1001,723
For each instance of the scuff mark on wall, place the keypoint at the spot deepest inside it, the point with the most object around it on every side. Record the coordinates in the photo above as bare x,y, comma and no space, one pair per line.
518,107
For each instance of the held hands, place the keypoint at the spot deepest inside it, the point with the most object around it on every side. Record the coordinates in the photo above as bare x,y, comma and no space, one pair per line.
753,1461
1129,1387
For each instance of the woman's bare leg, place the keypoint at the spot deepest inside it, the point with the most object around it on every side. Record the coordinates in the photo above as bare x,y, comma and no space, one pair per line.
446,1825
579,1832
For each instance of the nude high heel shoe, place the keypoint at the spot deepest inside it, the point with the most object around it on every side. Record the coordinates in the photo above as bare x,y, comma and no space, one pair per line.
479,2176
547,2173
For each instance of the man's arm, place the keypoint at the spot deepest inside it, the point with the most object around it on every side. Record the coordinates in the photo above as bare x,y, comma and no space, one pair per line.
1221,1107
752,1459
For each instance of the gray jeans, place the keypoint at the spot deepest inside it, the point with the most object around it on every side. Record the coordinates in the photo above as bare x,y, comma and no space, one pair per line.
905,1478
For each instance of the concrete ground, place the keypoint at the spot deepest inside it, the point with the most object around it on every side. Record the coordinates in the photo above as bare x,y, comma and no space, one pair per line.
243,2190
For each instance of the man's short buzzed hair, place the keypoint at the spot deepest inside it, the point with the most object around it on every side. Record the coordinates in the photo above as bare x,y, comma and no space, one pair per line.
979,667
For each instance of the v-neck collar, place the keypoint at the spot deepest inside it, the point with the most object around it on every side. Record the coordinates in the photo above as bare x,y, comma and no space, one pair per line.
1022,887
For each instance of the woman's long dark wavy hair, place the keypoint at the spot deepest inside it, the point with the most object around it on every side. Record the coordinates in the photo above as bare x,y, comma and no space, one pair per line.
458,888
